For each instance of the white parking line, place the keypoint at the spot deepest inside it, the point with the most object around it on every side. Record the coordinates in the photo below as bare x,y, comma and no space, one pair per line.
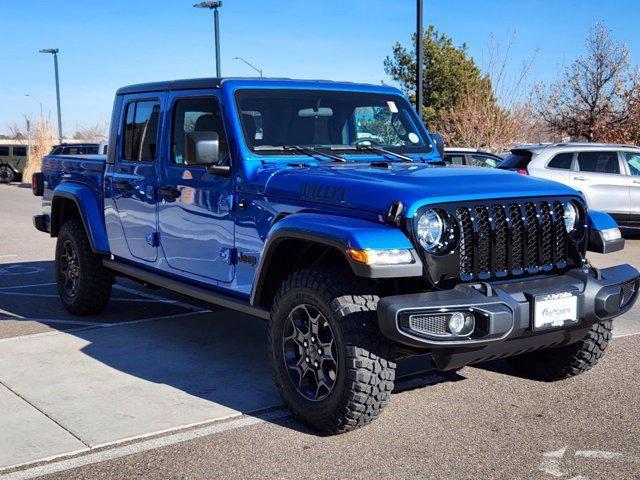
626,335
144,446
112,299
157,298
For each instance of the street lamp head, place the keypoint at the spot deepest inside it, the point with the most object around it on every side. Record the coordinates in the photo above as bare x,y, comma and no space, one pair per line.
210,5
50,50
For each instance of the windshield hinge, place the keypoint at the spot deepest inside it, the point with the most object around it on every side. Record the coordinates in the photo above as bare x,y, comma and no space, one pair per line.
394,215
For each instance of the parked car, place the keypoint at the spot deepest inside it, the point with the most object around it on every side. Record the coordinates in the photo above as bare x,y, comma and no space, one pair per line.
76,149
607,175
13,160
357,252
471,157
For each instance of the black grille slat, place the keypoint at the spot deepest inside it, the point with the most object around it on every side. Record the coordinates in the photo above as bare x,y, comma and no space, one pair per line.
532,237
483,241
560,250
466,242
546,236
501,242
517,239
499,239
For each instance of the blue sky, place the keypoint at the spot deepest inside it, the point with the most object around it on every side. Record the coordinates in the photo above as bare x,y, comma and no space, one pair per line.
107,44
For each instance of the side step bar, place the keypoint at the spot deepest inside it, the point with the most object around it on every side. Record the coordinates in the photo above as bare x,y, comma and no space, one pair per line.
220,299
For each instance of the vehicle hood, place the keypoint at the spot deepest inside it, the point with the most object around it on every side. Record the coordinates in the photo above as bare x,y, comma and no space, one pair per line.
374,189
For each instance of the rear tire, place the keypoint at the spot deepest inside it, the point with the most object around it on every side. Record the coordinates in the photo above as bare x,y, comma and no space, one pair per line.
559,363
6,174
346,385
84,284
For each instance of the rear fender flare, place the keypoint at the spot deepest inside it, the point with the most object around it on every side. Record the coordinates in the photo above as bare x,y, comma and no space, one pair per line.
90,212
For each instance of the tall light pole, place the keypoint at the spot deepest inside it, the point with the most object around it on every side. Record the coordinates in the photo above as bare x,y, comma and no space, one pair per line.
216,20
35,100
55,51
419,59
259,70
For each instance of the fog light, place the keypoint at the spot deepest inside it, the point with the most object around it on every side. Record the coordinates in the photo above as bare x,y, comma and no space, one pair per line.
461,324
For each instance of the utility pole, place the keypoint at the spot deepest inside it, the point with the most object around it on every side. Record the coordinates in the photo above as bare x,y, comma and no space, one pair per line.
259,70
419,59
216,25
55,51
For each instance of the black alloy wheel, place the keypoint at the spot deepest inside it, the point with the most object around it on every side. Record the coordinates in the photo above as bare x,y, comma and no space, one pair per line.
310,352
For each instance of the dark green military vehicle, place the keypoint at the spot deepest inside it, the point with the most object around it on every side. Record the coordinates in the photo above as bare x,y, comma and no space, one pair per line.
13,160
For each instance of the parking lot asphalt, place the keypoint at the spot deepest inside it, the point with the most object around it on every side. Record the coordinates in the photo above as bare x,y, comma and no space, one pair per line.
161,387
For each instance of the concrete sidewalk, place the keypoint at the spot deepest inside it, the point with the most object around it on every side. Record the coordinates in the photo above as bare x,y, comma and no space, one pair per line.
87,388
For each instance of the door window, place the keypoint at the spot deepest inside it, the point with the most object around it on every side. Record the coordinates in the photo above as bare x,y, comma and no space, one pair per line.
598,162
483,161
141,131
454,159
633,160
4,151
196,114
20,151
561,161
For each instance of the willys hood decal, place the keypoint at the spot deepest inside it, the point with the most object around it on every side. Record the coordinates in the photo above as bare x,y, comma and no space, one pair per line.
374,189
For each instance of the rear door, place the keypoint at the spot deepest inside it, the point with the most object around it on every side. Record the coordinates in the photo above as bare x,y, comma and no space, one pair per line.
133,183
599,176
632,161
195,218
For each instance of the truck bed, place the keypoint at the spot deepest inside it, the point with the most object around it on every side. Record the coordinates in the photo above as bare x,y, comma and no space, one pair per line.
85,169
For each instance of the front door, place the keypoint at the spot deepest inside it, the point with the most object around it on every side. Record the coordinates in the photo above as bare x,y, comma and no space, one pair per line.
134,180
195,210
600,179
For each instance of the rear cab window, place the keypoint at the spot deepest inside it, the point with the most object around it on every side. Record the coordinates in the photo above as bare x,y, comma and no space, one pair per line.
141,131
633,162
599,162
19,151
4,151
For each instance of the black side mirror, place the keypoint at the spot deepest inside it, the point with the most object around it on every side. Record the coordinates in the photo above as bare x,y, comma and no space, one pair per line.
203,148
439,141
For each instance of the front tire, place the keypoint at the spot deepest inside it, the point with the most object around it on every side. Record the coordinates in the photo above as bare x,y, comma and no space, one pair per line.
84,284
563,362
333,368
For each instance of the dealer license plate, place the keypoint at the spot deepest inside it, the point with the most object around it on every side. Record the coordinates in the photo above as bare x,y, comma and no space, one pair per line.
555,310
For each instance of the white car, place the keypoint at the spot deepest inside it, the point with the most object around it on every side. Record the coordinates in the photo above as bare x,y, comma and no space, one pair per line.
607,175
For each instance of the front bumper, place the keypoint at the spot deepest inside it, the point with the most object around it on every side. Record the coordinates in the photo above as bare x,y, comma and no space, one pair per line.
503,312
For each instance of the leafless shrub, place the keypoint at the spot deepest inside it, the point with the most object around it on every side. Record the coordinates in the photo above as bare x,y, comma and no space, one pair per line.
42,141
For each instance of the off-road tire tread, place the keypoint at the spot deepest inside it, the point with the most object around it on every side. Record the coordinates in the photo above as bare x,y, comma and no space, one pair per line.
568,361
370,357
96,280
11,175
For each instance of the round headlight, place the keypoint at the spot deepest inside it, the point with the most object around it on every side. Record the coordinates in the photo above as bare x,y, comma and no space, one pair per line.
430,230
571,215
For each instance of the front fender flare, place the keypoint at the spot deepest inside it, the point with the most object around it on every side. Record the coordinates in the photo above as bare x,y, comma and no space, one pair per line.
340,233
90,213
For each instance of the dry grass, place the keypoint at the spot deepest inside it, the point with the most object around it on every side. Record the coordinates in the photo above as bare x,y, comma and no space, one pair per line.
42,141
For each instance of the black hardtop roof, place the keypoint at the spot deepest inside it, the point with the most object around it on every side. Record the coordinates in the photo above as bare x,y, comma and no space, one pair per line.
211,82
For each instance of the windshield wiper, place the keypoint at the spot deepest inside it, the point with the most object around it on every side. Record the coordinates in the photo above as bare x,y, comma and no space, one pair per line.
369,148
309,151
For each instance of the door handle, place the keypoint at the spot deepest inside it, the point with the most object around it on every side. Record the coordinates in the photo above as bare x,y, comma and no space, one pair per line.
582,179
170,192
122,186
636,181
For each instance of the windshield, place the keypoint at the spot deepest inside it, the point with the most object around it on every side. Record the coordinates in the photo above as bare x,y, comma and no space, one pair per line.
325,119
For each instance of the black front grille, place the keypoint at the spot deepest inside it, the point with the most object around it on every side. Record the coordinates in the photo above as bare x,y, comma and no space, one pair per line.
511,237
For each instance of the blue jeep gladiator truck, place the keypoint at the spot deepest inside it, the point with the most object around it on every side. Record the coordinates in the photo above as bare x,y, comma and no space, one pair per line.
326,209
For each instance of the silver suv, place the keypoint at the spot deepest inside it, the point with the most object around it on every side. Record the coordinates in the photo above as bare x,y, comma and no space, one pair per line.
607,175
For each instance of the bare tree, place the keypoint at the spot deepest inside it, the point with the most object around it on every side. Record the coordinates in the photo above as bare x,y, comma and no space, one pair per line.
592,97
41,142
96,133
495,119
